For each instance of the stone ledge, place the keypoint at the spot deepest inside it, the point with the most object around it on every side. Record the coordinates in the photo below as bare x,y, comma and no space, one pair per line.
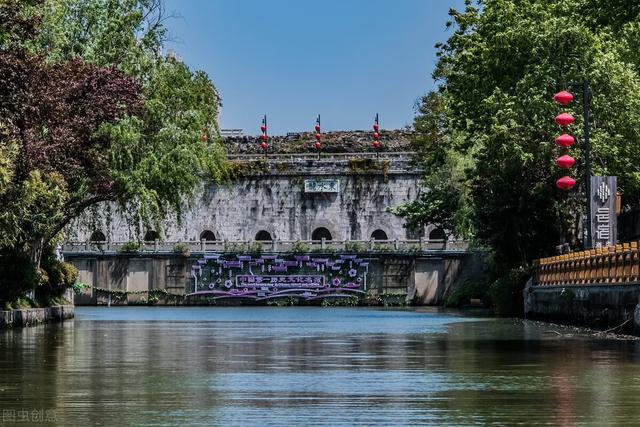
35,316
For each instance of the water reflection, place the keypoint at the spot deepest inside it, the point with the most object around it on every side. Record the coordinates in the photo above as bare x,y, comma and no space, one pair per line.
307,366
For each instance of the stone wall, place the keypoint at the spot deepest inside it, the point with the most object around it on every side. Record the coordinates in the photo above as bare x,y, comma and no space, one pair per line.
334,142
35,316
606,305
274,200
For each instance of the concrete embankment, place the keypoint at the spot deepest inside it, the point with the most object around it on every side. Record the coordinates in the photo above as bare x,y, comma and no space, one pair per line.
35,316
598,305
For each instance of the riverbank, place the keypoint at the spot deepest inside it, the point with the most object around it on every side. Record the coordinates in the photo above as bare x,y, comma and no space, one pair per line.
601,306
35,316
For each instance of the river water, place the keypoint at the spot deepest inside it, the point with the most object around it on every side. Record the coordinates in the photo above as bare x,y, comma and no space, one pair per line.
309,366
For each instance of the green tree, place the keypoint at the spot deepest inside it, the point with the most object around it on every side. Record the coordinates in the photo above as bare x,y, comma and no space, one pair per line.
492,116
92,111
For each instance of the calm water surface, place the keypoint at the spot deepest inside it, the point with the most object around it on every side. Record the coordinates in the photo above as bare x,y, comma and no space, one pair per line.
309,366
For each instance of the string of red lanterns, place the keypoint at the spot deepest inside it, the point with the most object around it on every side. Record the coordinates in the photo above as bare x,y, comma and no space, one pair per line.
376,143
565,140
264,137
318,135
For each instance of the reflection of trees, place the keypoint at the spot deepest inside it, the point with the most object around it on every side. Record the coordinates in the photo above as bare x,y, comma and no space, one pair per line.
119,372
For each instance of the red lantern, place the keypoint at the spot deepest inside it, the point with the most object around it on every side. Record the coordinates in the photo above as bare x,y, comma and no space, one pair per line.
263,128
318,145
565,140
563,98
564,119
203,138
565,162
264,145
375,127
375,136
263,137
318,136
376,144
565,183
317,128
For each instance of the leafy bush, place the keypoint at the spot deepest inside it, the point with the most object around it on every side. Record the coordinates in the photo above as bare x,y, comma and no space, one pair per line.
181,248
300,247
55,276
506,292
353,247
17,275
129,247
256,248
467,290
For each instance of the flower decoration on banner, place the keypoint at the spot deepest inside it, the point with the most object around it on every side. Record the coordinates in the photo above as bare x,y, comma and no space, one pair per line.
565,140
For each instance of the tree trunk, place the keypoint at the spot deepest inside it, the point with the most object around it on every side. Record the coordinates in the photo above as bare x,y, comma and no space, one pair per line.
37,247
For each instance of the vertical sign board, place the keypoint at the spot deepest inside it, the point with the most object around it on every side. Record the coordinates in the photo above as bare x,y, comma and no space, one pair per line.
603,211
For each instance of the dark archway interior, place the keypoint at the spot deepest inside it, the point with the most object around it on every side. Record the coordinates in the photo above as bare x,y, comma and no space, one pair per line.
207,235
151,235
321,233
97,236
437,234
379,235
263,235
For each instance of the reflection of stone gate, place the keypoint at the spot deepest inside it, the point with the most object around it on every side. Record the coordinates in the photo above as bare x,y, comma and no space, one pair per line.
264,277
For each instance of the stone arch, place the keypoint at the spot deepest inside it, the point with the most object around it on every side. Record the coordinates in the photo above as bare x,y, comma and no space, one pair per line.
437,234
151,235
379,234
263,236
97,236
208,235
321,233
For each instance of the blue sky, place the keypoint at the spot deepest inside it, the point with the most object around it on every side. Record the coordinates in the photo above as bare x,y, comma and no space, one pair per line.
294,59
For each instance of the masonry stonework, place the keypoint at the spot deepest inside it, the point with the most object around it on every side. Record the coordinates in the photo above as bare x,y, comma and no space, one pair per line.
275,201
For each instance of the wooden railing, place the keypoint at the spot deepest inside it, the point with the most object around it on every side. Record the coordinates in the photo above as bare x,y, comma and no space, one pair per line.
609,265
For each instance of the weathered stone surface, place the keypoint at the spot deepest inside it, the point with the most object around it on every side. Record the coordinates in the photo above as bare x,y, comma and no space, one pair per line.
34,316
606,305
277,203
334,142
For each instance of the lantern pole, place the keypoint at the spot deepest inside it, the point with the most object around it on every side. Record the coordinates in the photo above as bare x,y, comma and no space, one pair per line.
376,143
586,107
318,128
266,150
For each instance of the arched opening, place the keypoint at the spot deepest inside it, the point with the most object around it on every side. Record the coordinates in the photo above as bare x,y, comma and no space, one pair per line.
437,234
263,235
97,236
379,235
208,236
321,233
151,235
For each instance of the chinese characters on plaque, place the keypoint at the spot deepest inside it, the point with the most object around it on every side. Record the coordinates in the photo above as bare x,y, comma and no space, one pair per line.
321,185
603,211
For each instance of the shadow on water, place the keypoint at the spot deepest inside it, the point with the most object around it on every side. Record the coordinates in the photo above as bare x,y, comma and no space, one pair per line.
280,366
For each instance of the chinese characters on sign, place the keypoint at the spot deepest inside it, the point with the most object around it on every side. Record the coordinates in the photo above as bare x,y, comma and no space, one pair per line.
321,186
283,281
603,211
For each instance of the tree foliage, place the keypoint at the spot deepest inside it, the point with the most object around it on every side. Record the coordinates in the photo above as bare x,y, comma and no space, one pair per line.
486,135
92,111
